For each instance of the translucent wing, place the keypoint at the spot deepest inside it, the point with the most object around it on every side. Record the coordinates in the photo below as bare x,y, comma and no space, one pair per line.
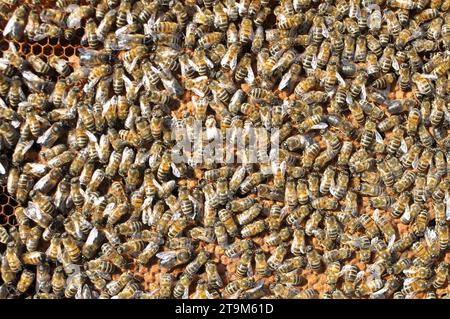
403,146
378,137
319,126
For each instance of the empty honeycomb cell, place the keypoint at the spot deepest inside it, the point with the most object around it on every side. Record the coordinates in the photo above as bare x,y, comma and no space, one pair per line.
58,51
25,48
3,199
69,51
8,210
16,44
12,201
47,50
36,49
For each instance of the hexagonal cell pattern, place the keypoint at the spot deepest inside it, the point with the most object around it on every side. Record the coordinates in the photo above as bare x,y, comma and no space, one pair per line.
7,206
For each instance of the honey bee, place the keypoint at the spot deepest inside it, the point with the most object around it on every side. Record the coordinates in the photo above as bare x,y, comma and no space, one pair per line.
12,257
181,288
236,286
253,229
314,259
38,64
16,23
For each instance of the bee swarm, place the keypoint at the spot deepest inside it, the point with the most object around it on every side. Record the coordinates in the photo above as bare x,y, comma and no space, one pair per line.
355,204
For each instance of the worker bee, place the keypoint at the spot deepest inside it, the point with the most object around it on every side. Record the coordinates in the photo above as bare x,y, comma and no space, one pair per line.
16,23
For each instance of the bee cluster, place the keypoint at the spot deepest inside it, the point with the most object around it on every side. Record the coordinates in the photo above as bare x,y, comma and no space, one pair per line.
355,204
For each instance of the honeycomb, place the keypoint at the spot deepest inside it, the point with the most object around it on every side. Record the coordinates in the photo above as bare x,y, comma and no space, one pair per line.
7,206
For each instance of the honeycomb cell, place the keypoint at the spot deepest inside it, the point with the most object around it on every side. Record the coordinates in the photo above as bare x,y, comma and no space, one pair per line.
26,48
36,49
58,51
69,51
8,210
3,199
16,44
47,50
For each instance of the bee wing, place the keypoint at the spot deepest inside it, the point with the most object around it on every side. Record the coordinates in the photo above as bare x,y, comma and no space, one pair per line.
373,242
2,169
60,63
344,270
211,133
391,242
325,31
166,256
415,162
91,137
340,78
295,242
3,65
320,126
379,294
148,218
363,92
129,17
176,172
198,206
74,19
395,64
93,235
359,276
185,293
236,294
407,214
39,37
403,146
430,236
27,146
224,60
9,26
447,209
285,80
158,185
122,31
409,281
12,47
349,99
430,76
192,64
32,211
108,209
250,270
314,62
250,78
209,63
